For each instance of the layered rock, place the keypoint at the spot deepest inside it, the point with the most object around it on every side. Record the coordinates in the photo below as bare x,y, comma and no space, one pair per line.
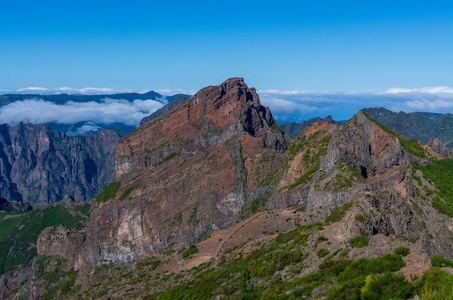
39,165
186,174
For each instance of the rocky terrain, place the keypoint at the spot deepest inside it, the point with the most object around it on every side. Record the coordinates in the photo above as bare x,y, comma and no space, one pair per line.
166,108
295,129
212,200
424,127
39,165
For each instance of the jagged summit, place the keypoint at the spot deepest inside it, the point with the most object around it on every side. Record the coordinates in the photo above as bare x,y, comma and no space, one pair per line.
215,174
212,116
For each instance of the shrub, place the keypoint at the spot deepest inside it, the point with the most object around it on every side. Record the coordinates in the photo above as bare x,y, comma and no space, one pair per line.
359,241
401,250
439,261
387,286
323,252
109,192
437,285
167,158
361,218
189,252
338,213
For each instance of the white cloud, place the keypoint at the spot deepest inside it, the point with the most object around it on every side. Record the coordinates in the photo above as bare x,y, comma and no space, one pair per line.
69,90
84,128
33,89
170,92
288,109
108,111
428,90
421,105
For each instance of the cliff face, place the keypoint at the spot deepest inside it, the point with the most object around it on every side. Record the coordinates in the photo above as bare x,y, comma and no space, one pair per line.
420,126
190,172
216,172
39,165
164,109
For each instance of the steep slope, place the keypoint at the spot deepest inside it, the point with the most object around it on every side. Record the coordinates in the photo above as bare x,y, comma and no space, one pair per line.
295,129
166,108
420,126
359,208
190,172
212,200
39,165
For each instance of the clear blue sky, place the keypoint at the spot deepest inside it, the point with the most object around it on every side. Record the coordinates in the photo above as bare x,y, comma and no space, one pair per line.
302,45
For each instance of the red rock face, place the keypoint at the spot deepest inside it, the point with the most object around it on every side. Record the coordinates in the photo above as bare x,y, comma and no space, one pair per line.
212,108
188,173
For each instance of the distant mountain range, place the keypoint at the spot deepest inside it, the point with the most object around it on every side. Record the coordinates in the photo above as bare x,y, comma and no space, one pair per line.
39,165
79,128
63,98
422,126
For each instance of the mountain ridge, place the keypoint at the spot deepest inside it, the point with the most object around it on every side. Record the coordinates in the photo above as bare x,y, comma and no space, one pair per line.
212,197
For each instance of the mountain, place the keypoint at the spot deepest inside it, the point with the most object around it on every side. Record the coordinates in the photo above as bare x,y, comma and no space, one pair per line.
83,127
39,165
420,126
63,98
212,200
164,109
294,129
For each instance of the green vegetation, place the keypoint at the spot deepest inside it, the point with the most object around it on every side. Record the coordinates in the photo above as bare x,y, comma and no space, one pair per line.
304,178
275,126
323,253
345,179
436,285
18,235
440,262
270,272
61,290
127,192
361,218
338,213
401,250
314,150
186,253
148,264
84,209
302,208
167,158
383,127
387,286
109,192
441,174
412,146
359,241
270,177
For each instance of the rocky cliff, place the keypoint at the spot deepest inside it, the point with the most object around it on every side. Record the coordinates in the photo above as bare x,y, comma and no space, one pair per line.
215,197
39,165
420,126
190,172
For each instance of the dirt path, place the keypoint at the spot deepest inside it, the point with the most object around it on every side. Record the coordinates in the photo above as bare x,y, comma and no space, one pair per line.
259,226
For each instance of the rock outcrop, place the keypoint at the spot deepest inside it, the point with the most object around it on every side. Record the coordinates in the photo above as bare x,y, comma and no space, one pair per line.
39,165
215,171
186,174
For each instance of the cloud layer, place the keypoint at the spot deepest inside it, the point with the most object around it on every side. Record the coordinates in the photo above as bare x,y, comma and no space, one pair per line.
67,90
108,111
302,105
285,105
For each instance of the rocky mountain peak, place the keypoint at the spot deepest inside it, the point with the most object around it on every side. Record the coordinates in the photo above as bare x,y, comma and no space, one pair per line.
209,118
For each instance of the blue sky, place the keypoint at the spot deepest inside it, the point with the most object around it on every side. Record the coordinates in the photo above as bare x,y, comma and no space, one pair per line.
286,45
318,46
